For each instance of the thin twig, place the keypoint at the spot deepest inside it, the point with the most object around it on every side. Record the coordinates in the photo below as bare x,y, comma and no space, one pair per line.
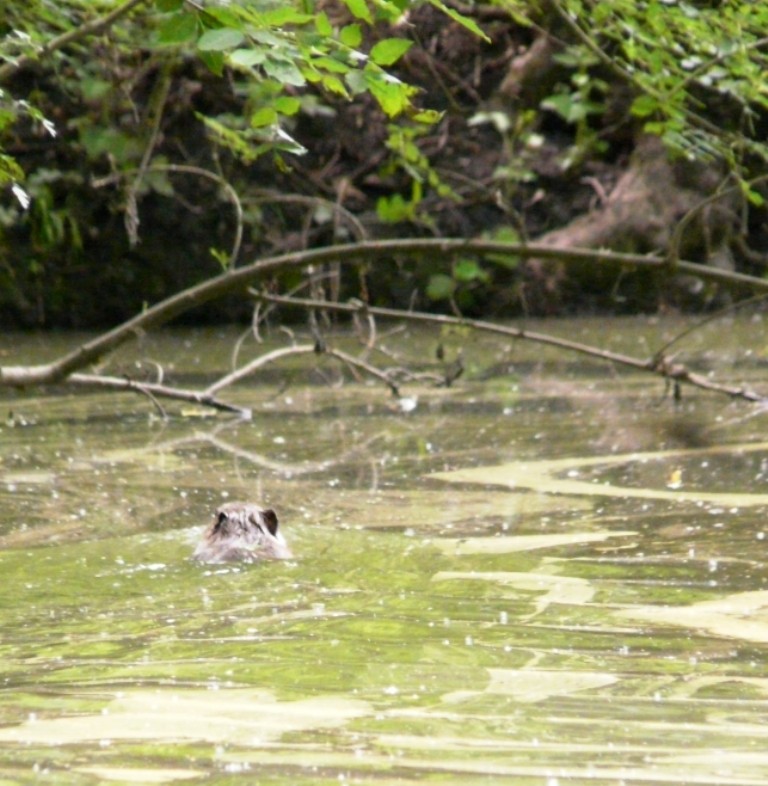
673,253
358,229
255,365
188,169
730,308
152,390
299,349
366,367
157,102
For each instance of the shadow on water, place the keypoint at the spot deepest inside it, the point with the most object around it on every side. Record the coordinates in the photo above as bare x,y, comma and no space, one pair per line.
542,577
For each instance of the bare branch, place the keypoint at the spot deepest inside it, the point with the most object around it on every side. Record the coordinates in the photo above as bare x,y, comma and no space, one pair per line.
658,364
300,349
154,390
366,367
154,119
255,365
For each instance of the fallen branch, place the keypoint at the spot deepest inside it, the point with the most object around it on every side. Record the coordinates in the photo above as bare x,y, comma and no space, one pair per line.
207,397
239,279
658,364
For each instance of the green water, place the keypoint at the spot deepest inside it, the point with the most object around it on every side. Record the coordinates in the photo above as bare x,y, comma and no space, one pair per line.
546,574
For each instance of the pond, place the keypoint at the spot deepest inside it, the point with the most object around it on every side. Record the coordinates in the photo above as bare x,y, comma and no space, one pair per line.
549,573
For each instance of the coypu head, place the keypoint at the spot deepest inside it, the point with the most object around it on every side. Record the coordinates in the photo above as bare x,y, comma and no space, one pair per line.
241,532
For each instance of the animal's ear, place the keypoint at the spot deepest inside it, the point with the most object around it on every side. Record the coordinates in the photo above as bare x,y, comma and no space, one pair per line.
270,519
220,521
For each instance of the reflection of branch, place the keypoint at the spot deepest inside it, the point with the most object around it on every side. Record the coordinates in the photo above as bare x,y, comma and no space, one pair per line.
286,468
658,364
290,469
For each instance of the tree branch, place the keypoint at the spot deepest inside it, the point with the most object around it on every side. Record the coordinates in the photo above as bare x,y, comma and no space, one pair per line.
658,364
152,389
239,279
300,349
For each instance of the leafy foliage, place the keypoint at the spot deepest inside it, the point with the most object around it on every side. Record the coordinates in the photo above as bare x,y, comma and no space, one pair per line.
696,71
258,80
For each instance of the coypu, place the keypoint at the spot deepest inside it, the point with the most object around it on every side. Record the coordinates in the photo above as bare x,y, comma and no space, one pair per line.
241,532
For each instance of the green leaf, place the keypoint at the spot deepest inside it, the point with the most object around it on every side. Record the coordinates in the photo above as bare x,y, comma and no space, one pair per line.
468,270
94,89
394,209
334,85
168,5
351,35
178,29
232,140
428,116
644,105
10,171
220,40
266,116
359,9
247,57
323,24
287,105
97,141
440,287
285,71
214,61
225,17
393,96
331,64
391,12
285,15
464,21
504,235
570,106
389,51
754,197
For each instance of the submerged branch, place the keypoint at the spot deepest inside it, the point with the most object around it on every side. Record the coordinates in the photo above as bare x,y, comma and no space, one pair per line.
207,397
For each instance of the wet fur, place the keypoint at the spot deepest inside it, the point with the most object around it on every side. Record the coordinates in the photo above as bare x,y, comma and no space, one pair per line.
242,532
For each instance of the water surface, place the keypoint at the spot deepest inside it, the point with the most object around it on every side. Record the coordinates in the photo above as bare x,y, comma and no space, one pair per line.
546,574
